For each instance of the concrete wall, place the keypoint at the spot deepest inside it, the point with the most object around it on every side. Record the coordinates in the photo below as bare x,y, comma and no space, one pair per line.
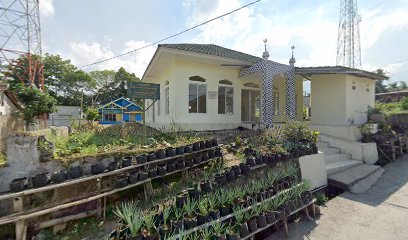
360,93
177,72
313,168
9,121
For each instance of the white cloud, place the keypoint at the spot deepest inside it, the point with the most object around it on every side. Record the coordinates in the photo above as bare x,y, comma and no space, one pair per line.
82,53
47,8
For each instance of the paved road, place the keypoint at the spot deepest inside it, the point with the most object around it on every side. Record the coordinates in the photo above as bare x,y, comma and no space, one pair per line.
381,213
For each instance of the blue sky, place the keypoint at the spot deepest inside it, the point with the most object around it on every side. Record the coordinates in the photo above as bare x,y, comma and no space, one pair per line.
91,30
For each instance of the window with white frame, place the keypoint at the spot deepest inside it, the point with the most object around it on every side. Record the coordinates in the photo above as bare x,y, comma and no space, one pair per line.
197,95
225,97
166,99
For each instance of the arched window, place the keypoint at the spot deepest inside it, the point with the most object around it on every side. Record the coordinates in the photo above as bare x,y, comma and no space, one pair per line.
225,97
225,82
251,85
196,79
197,95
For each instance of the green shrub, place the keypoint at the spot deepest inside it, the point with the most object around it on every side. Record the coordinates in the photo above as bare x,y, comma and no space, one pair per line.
404,104
92,114
36,102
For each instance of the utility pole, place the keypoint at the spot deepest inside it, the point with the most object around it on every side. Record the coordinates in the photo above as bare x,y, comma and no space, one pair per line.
348,40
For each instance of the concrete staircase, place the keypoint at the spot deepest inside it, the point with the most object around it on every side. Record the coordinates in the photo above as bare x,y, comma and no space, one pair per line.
346,173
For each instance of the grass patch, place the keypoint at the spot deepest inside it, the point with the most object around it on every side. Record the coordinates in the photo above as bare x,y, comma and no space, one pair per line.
391,108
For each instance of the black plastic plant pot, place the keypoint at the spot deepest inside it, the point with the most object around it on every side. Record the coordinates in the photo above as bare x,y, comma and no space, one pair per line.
121,182
218,152
59,177
18,184
237,170
143,175
252,224
211,153
176,226
151,237
171,152
160,154
75,172
203,145
219,178
152,172
215,142
113,166
180,150
40,180
245,168
214,214
225,210
162,170
270,217
181,200
190,223
259,160
97,168
202,219
251,161
142,158
194,194
219,237
180,165
209,143
206,157
133,178
126,161
230,175
233,236
164,231
188,149
278,158
171,167
151,157
315,151
205,186
197,158
189,162
261,220
243,230
196,146
138,237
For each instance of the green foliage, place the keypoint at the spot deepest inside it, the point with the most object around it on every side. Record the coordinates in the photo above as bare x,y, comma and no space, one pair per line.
131,215
190,207
321,199
404,104
91,114
35,102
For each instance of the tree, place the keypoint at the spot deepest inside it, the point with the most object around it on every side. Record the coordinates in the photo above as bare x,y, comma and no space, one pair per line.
379,84
91,114
402,85
392,87
76,85
55,69
20,71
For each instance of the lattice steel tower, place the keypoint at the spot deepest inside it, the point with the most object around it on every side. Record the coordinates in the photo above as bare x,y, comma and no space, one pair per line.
348,40
20,34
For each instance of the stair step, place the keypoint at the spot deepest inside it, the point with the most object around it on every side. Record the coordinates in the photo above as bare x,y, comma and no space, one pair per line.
336,157
335,167
322,144
356,179
330,150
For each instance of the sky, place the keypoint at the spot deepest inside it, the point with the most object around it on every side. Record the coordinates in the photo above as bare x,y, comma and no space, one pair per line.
92,30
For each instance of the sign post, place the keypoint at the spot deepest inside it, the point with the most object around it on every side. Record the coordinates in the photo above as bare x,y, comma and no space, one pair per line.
141,90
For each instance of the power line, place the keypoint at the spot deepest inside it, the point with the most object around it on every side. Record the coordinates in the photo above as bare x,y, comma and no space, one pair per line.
171,36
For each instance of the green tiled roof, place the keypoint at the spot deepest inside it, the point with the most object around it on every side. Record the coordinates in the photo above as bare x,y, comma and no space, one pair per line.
214,50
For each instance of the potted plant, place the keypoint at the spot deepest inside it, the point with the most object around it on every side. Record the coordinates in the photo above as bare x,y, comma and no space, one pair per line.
41,179
203,212
160,154
190,220
215,142
218,230
220,177
143,175
165,228
211,153
121,182
162,170
180,165
18,184
188,149
193,192
171,152
127,161
189,162
141,159
97,168
260,215
245,168
171,166
239,217
203,145
113,165
213,205
181,199
237,170
152,172
232,232
59,177
151,156
224,201
205,186
205,157
252,218
75,172
251,161
180,150
229,175
198,157
133,177
177,222
149,232
209,143
132,216
269,212
196,146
